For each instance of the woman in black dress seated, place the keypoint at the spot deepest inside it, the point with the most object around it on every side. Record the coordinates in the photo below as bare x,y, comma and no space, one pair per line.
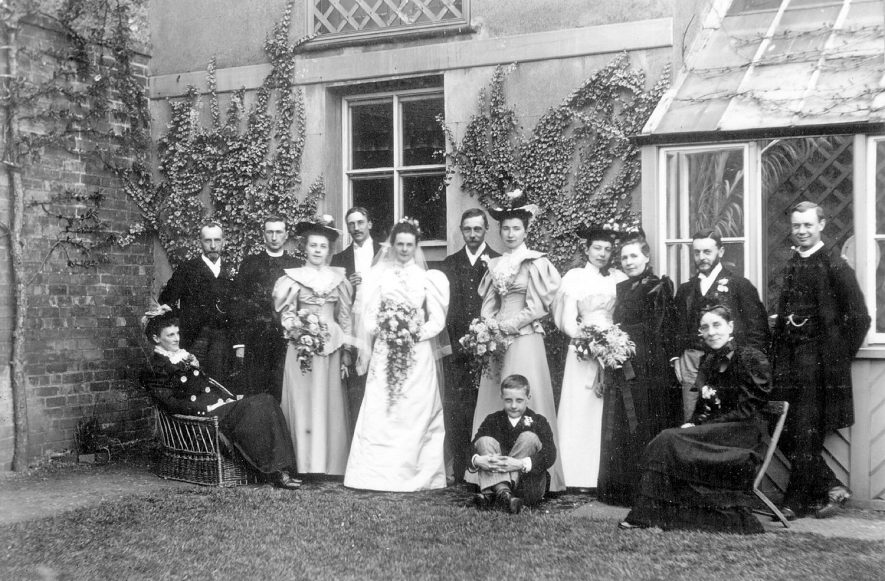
699,476
255,425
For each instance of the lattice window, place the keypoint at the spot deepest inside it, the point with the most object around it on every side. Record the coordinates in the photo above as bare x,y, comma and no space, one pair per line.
366,17
817,169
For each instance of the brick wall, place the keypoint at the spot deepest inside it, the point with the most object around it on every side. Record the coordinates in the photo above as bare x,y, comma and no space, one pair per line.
84,345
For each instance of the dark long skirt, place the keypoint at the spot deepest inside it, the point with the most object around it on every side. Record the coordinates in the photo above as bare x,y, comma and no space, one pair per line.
633,413
700,478
256,427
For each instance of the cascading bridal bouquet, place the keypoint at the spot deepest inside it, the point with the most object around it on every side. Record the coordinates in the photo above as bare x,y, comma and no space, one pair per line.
486,344
399,327
609,345
307,333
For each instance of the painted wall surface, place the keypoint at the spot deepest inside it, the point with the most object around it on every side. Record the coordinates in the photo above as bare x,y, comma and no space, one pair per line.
185,35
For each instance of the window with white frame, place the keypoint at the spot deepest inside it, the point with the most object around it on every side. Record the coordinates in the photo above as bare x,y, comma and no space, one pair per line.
704,188
744,191
876,205
394,159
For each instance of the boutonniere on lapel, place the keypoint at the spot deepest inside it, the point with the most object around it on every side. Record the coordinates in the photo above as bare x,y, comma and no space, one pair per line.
484,258
722,285
527,421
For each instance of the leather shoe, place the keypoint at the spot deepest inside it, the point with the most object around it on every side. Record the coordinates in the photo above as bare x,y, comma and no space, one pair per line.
628,526
483,500
788,513
836,498
508,502
286,481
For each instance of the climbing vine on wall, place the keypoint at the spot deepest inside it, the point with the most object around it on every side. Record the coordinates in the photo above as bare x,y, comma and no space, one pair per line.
578,163
244,166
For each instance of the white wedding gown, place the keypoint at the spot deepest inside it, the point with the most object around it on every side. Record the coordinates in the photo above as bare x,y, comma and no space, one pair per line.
399,446
586,294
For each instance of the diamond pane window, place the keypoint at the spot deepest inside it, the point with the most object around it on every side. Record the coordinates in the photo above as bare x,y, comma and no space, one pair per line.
335,18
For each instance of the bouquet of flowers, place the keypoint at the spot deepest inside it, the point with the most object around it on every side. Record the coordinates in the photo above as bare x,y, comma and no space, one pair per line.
398,326
610,345
486,344
308,334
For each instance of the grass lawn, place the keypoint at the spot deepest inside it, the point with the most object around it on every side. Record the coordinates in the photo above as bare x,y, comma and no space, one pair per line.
328,532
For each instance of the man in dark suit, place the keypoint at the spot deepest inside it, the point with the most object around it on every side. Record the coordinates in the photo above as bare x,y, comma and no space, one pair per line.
356,260
199,293
464,269
256,333
714,285
514,449
822,321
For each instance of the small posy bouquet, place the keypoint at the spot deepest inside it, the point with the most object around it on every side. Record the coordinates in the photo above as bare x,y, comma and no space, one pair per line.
610,345
307,333
486,343
399,327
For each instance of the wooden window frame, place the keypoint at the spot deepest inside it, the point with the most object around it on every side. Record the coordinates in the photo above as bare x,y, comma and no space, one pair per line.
398,171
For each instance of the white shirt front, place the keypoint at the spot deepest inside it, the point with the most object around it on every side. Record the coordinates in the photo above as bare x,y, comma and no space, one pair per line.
215,267
363,255
474,257
707,280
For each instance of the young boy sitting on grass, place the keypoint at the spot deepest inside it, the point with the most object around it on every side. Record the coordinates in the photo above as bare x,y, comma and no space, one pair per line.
514,448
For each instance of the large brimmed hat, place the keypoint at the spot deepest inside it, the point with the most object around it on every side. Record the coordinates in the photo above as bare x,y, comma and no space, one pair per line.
323,225
515,208
609,231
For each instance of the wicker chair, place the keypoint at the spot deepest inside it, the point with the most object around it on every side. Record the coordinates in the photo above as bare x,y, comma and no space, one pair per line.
777,412
195,450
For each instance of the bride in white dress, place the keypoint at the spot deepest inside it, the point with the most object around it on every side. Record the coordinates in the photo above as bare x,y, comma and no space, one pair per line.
586,297
398,439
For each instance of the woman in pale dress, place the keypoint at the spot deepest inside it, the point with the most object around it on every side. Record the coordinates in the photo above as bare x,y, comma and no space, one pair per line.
313,401
398,439
517,291
586,297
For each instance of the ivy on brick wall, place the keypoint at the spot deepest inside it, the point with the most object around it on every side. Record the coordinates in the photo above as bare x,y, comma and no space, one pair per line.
578,163
243,166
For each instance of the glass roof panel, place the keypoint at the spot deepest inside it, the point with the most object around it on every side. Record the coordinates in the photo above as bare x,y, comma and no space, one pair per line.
811,72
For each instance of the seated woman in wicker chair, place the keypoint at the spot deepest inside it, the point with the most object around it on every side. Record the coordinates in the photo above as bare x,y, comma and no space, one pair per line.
255,426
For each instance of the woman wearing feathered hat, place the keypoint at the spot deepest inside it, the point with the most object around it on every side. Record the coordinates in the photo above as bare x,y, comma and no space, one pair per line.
313,302
586,297
517,291
176,381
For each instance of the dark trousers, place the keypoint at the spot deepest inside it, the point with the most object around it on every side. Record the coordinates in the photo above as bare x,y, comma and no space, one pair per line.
356,389
799,380
459,403
263,364
213,350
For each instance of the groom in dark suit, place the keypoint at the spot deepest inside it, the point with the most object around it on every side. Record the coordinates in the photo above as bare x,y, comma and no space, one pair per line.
356,260
199,293
464,269
514,449
256,333
714,285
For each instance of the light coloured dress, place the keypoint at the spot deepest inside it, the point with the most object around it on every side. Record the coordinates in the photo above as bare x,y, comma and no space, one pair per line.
586,297
399,446
518,289
314,402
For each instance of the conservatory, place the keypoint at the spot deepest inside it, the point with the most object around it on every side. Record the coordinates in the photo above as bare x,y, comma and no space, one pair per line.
780,101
